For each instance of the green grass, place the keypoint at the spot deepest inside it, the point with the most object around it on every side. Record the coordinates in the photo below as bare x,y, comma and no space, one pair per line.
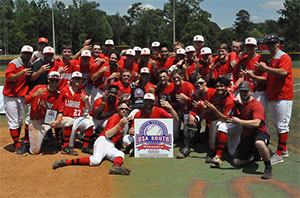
296,64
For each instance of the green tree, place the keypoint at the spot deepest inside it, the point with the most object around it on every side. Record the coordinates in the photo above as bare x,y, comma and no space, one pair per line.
242,24
6,24
289,24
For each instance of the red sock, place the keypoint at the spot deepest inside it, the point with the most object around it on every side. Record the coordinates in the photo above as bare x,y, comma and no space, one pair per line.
87,137
67,134
282,139
118,161
221,142
79,161
26,134
15,136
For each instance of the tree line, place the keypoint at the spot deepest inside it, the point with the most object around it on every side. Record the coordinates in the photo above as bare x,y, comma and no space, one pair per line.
23,22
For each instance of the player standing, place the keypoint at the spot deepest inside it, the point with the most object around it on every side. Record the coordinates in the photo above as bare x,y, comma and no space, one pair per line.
15,88
280,96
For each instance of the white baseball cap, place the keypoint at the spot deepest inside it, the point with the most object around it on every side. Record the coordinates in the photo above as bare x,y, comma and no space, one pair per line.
172,68
180,51
130,52
145,51
48,50
149,96
27,48
54,74
205,50
86,53
127,139
109,42
190,48
250,41
76,74
137,48
198,38
155,44
145,70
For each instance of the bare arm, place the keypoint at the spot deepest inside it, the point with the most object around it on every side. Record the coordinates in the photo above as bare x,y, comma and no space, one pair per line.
274,71
26,71
246,123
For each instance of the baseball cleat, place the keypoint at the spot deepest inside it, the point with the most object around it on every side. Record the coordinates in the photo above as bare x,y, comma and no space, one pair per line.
208,159
69,151
285,153
275,159
116,170
216,162
21,151
59,163
180,155
267,173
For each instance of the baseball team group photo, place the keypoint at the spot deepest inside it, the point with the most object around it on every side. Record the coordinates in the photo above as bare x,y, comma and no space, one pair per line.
144,109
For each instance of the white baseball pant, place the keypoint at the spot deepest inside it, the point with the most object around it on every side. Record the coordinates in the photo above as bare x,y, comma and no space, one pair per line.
281,112
15,109
37,132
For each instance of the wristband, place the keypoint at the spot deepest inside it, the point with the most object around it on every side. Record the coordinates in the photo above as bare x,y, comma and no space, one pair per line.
103,103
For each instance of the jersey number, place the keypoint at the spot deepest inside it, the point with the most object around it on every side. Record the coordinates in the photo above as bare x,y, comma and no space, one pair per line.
77,112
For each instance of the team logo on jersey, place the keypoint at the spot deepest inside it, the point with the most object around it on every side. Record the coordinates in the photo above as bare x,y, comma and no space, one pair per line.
153,134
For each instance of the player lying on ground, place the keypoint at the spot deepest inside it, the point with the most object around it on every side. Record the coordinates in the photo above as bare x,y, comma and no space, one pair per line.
104,146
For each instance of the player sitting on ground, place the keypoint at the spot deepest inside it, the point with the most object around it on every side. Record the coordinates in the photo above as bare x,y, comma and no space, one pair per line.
104,147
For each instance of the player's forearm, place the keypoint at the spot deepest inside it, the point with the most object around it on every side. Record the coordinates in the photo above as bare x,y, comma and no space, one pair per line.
111,132
98,112
220,115
277,72
36,75
250,123
174,115
13,77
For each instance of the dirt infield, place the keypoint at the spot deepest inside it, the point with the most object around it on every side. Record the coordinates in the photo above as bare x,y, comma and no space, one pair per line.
32,176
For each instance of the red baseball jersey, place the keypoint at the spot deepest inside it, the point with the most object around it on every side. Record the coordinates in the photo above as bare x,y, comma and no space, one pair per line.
104,77
71,102
248,64
111,123
165,64
19,87
124,91
39,104
189,90
108,108
251,111
165,93
226,71
85,70
65,77
280,88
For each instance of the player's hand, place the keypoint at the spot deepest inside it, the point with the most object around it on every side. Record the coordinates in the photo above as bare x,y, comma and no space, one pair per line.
45,67
40,91
38,54
261,65
84,97
249,73
97,60
26,71
233,63
209,105
182,98
180,62
55,124
105,96
123,121
57,58
192,120
105,69
233,120
63,69
131,131
165,104
102,60
87,42
114,75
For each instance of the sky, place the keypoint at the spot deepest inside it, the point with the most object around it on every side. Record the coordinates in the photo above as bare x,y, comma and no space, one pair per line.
223,11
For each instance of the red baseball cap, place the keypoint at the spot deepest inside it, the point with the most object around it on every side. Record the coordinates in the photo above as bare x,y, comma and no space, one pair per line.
43,40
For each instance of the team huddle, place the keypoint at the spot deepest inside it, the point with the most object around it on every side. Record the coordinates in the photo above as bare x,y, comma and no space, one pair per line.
96,96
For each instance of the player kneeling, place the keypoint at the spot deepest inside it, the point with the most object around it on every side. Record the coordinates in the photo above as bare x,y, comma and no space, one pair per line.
104,146
44,105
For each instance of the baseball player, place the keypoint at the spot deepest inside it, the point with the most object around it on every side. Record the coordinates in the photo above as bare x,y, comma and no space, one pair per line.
254,133
42,98
42,42
123,84
17,76
280,93
73,102
104,146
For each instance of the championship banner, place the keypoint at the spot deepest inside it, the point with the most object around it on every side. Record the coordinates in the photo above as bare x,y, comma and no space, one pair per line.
153,138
